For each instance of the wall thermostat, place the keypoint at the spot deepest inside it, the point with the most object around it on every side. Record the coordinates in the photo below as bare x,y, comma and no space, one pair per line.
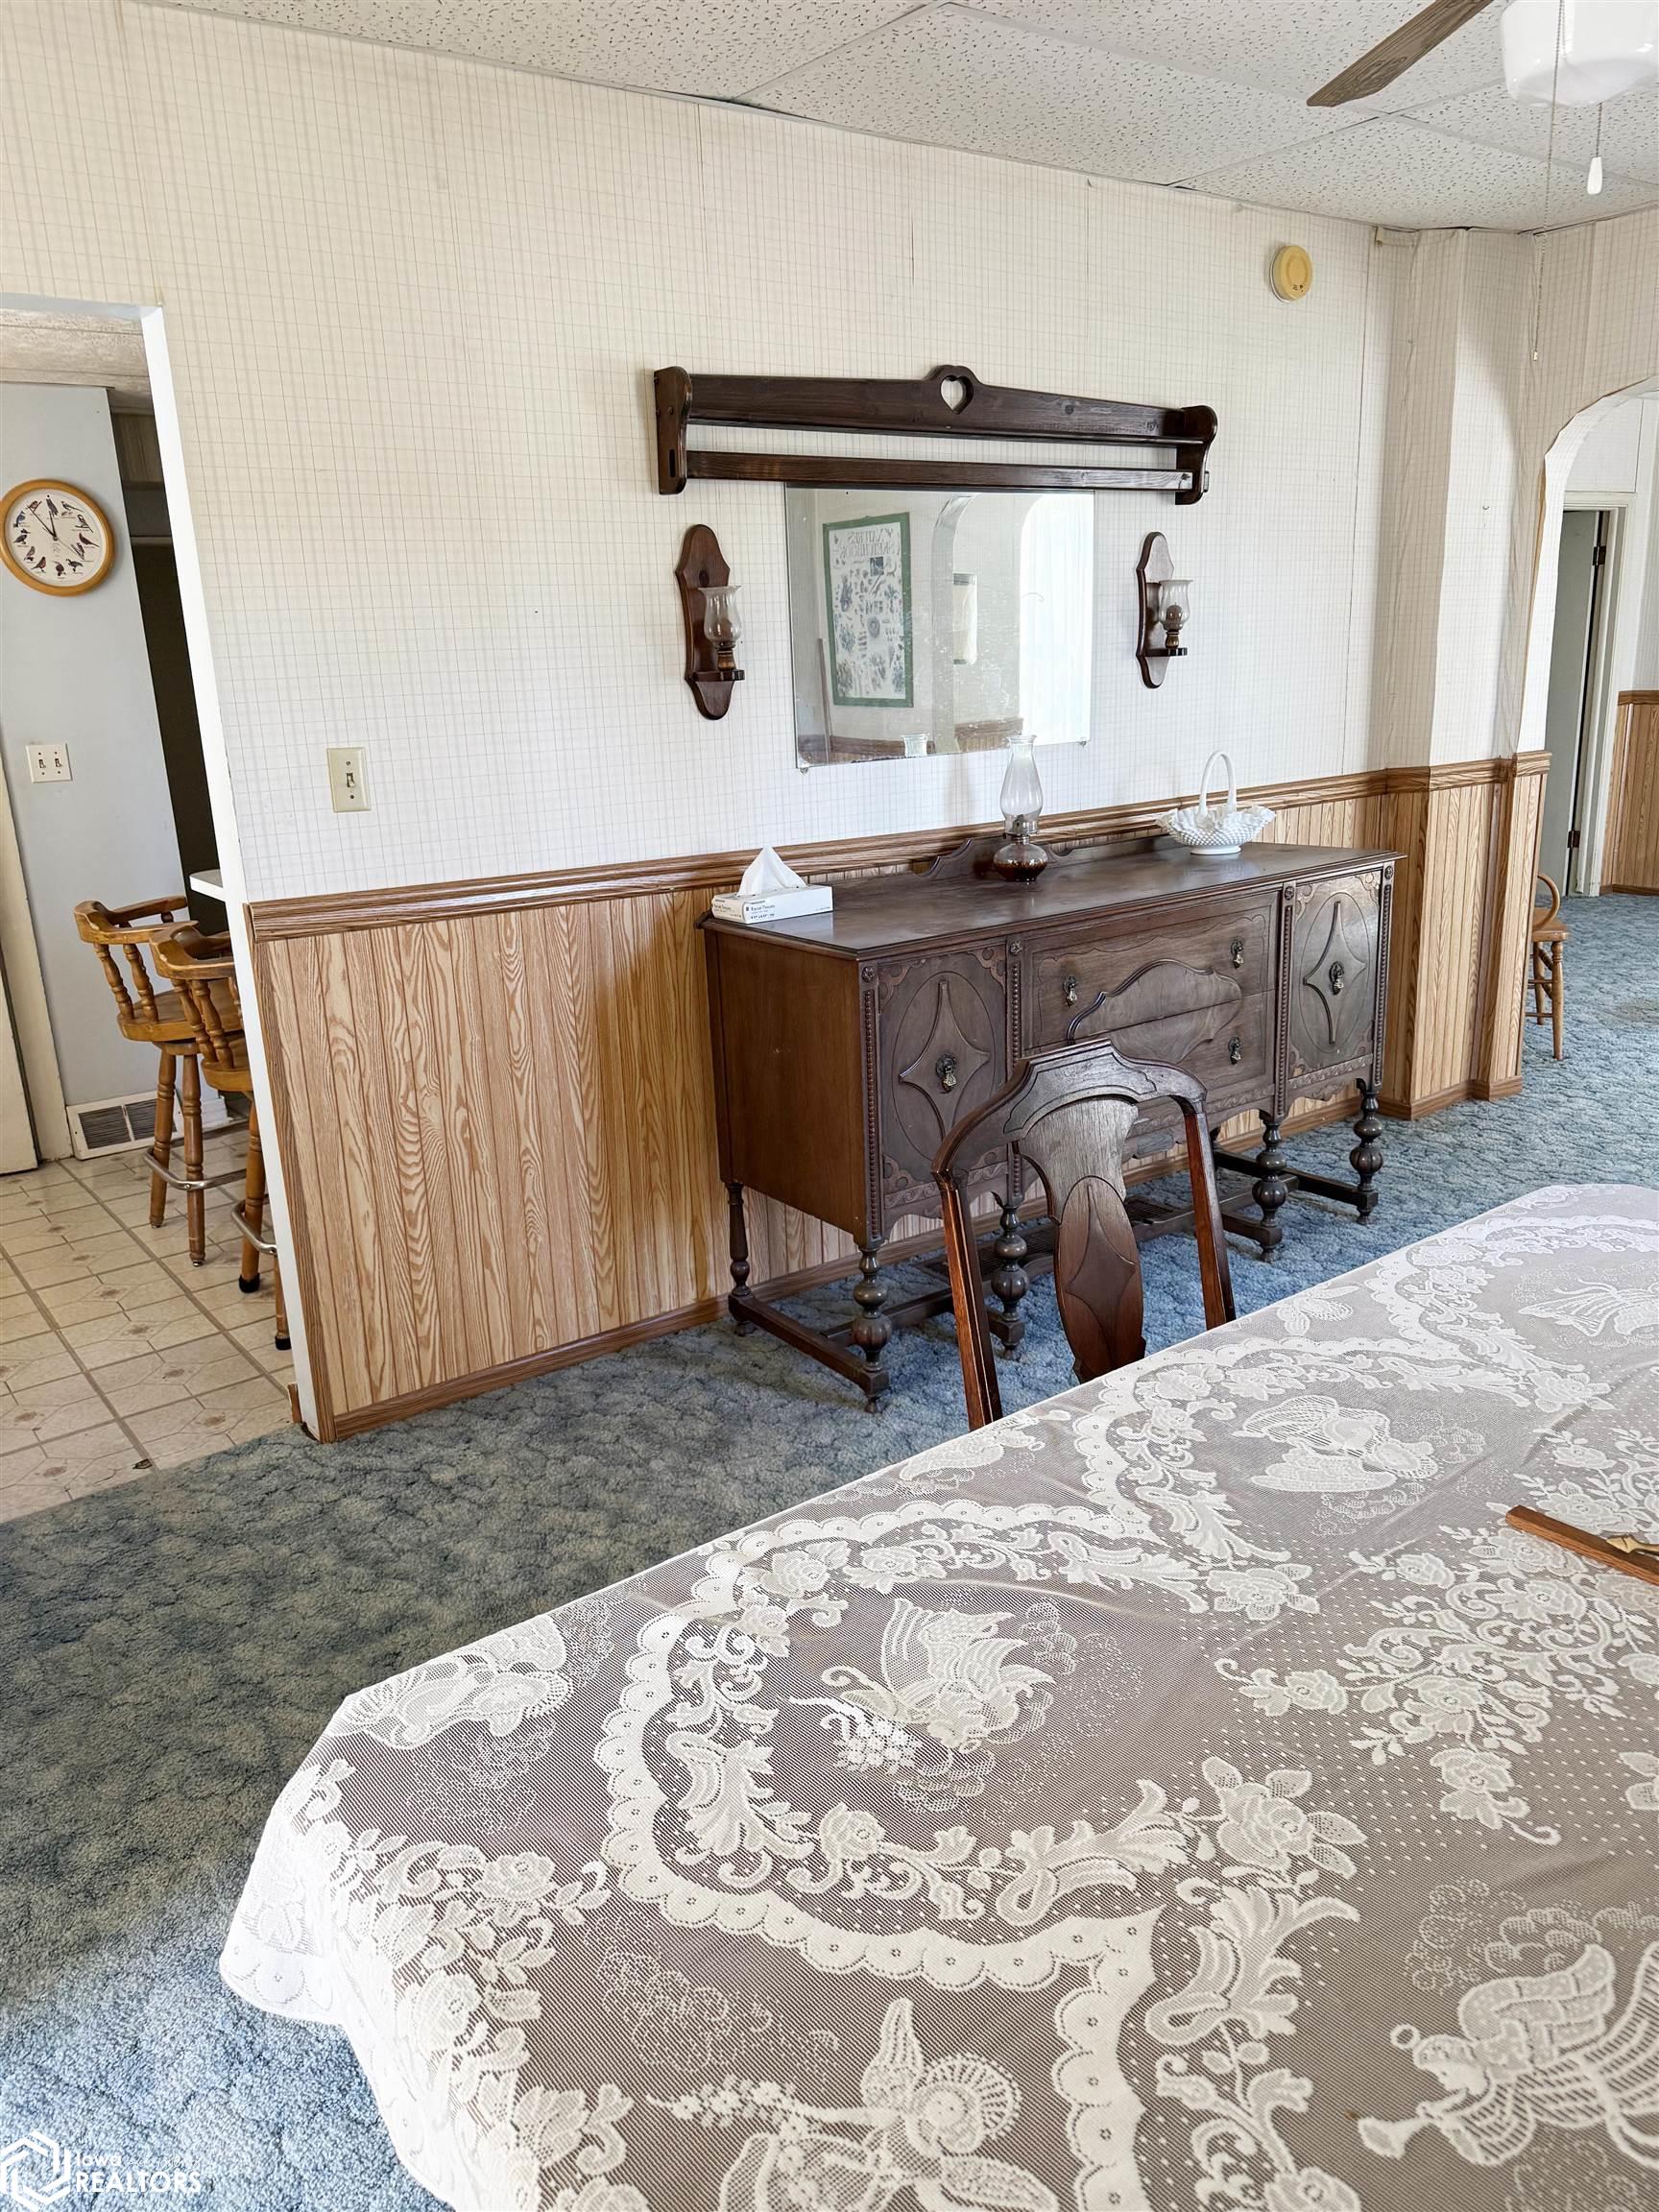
1293,275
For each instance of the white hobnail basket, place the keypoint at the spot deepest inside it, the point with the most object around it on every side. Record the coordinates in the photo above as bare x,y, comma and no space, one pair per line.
1216,832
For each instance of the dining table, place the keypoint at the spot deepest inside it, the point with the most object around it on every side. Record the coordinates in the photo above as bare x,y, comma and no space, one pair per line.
1189,1793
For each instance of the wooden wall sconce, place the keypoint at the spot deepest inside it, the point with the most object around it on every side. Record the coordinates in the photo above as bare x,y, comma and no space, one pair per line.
709,603
1166,603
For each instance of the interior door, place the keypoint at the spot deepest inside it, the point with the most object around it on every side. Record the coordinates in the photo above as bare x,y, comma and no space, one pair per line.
1578,595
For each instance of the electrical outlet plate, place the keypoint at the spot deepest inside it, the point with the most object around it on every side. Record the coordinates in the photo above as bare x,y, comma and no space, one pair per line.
347,780
48,764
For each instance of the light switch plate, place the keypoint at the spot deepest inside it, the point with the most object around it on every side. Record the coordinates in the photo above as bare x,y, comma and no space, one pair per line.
48,764
347,780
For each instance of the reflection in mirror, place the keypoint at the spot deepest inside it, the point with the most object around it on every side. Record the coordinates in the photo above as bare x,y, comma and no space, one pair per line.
929,622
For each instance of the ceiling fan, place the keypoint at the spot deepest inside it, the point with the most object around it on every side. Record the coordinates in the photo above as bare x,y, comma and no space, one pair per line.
1577,53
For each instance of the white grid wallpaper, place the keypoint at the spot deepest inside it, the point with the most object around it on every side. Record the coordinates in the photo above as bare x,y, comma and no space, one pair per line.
414,304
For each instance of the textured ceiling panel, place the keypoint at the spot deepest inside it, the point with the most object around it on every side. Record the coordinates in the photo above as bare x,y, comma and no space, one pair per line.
716,47
953,77
1393,171
1629,128
1210,93
1287,46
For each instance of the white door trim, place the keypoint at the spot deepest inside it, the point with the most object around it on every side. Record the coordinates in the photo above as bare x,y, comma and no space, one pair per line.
36,1055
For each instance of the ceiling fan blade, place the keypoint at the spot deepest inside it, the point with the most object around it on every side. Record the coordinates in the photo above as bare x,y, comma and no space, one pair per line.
1432,27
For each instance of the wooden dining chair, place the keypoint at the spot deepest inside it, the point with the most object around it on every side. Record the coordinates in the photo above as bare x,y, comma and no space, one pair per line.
203,972
1069,1112
155,1016
1549,935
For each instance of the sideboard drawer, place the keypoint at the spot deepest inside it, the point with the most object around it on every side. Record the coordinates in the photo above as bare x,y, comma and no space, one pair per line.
1168,988
1233,1059
1239,1053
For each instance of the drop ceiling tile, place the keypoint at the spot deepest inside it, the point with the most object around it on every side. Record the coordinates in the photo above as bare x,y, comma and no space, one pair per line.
954,77
1629,128
1393,171
716,47
1287,46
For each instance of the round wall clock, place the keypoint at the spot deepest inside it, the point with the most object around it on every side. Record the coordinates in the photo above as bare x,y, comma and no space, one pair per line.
56,537
1292,273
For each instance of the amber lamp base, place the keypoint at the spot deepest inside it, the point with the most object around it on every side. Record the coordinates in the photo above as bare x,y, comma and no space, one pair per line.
1021,860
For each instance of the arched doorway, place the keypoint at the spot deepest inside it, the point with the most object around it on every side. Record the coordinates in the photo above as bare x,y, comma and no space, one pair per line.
1595,615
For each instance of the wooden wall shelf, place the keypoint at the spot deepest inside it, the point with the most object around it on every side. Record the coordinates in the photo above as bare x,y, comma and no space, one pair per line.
949,402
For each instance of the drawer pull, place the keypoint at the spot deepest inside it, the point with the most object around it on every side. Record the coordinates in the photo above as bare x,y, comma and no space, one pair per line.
945,1068
1234,1051
1339,976
1068,984
1236,948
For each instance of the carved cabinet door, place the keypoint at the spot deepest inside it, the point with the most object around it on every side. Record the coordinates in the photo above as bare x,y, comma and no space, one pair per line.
1333,975
942,1027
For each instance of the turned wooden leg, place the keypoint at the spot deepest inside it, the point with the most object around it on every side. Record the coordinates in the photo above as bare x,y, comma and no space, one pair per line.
1270,1189
871,1329
1557,992
1537,982
283,1342
1009,1281
1367,1157
739,1244
161,1151
253,1209
190,1114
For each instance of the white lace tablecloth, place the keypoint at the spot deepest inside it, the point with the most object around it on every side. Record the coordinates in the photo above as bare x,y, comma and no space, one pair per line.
1185,1795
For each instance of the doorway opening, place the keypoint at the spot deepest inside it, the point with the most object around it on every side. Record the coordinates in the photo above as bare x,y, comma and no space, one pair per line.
1585,580
104,783
1592,628
172,1328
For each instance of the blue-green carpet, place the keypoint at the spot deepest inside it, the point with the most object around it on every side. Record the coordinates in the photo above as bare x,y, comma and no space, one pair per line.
170,1651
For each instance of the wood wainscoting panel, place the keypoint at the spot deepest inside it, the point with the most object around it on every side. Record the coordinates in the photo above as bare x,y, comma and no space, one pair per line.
1630,852
1451,958
501,1134
496,1112
1407,832
1467,833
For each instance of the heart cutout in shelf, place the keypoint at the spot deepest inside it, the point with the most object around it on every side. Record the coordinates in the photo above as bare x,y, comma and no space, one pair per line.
955,392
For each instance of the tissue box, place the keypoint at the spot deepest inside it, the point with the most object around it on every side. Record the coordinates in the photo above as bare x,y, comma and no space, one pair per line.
774,906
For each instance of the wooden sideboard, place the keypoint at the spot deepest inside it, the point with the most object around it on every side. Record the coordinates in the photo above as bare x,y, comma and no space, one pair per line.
846,1045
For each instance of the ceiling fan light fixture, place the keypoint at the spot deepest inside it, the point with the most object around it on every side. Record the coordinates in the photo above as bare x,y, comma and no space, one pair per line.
1606,47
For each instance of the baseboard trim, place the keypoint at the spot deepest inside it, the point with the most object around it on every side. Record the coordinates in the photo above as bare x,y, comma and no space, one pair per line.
437,1395
1436,1103
1632,890
620,1339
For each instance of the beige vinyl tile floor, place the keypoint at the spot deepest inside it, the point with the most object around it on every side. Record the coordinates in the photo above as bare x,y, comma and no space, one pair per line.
116,1355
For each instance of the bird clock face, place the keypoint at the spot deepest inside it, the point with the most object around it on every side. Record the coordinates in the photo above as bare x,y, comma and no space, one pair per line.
56,537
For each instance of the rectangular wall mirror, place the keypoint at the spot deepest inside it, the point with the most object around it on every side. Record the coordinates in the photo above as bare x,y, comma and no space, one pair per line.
926,622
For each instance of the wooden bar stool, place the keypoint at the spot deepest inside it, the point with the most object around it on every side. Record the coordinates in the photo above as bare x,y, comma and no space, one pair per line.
155,1017
1549,935
203,974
